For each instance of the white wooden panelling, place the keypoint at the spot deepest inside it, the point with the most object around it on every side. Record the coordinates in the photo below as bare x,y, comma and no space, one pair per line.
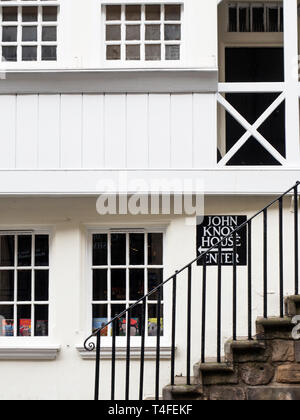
205,131
71,131
27,131
137,131
115,131
93,131
159,131
181,131
49,131
8,131
108,131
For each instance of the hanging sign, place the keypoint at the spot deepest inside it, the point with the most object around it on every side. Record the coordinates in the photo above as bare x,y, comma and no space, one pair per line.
212,230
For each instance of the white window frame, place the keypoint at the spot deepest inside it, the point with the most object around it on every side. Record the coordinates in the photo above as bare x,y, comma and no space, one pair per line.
40,23
142,63
121,341
17,340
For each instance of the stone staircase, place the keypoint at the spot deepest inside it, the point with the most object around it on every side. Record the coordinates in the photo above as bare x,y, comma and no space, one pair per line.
266,368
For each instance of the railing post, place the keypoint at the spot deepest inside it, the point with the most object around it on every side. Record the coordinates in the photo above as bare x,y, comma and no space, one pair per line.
128,355
250,280
143,334
281,275
234,296
157,376
173,329
97,375
203,330
113,360
265,262
296,227
189,325
219,308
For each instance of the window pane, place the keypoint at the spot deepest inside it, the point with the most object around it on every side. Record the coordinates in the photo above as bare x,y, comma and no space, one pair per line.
133,12
152,33
137,248
133,32
9,33
118,284
50,14
113,32
153,52
29,14
49,53
113,52
155,248
113,12
153,12
24,250
273,19
152,320
133,52
29,33
121,323
118,249
99,250
10,14
155,277
6,321
137,283
7,251
172,32
49,33
41,281
24,285
172,12
100,318
232,27
172,52
29,53
41,250
100,285
24,320
258,17
9,53
41,317
6,286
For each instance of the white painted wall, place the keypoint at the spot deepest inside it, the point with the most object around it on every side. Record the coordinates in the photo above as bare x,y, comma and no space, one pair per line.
70,377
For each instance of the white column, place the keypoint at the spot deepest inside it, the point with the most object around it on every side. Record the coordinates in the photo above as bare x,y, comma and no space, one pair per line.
291,81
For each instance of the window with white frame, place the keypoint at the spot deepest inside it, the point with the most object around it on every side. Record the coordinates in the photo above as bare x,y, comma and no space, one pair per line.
255,17
125,267
28,31
24,285
151,32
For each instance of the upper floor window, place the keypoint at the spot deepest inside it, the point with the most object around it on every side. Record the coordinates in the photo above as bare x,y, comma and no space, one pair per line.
255,17
143,32
24,285
28,32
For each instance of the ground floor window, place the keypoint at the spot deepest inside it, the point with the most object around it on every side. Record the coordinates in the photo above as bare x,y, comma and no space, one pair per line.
125,267
24,284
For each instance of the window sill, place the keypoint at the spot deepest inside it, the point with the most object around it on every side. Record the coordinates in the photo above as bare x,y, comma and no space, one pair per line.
135,354
28,352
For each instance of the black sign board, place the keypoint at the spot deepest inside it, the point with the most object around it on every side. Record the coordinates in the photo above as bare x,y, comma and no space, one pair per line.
212,230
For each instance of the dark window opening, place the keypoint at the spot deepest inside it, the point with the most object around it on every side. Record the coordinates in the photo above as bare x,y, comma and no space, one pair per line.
255,65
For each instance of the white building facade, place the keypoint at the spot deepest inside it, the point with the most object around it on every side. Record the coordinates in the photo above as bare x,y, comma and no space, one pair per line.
128,94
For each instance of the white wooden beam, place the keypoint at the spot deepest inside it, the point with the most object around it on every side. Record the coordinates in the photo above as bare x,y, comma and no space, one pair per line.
291,81
251,87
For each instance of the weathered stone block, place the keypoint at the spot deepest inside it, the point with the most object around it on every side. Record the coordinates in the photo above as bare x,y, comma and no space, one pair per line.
297,351
220,378
255,374
289,374
283,351
274,394
227,394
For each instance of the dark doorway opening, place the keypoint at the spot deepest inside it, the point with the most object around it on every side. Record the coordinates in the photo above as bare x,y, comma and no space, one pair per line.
255,65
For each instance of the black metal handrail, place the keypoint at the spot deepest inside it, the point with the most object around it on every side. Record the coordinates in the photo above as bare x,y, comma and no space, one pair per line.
91,346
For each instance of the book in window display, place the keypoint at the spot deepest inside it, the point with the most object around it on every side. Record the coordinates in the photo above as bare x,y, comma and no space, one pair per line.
41,328
134,327
152,327
25,328
100,323
7,328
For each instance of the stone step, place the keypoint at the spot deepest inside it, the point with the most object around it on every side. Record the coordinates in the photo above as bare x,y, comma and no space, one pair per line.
182,391
274,328
292,305
244,350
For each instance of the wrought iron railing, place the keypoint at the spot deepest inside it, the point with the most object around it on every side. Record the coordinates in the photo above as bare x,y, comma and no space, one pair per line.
92,346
